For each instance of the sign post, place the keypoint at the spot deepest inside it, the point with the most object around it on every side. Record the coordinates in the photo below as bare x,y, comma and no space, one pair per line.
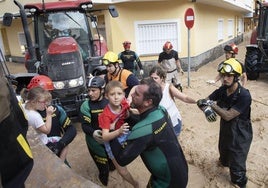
189,22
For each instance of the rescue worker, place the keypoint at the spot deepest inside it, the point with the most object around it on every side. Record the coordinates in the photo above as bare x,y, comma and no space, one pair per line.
115,72
233,103
130,59
89,112
169,60
154,140
61,123
16,160
231,50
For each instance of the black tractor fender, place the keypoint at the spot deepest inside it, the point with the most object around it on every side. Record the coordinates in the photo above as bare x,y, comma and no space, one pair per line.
21,80
252,46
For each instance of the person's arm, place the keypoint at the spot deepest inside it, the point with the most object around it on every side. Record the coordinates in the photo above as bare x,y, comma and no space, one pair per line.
244,79
107,124
179,95
241,104
131,81
85,119
138,60
160,59
68,130
178,62
227,115
119,55
46,128
69,135
67,126
108,135
130,151
218,77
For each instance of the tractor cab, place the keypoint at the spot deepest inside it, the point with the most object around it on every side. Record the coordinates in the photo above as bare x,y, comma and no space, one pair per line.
66,46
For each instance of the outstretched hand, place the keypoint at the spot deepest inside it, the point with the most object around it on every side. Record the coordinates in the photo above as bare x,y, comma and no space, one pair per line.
201,103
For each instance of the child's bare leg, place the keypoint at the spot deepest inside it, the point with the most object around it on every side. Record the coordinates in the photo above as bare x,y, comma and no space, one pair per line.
123,171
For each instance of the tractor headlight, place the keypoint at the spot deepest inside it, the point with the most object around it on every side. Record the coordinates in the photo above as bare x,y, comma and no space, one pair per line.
76,82
69,83
59,85
73,83
86,6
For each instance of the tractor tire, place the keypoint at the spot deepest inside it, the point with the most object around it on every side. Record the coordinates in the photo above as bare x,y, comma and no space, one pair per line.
251,63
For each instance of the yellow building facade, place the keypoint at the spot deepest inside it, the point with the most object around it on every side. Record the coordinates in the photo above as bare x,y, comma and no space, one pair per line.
148,24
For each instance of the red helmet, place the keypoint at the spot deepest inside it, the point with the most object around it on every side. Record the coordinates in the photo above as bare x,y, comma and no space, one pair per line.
126,44
167,46
232,48
41,81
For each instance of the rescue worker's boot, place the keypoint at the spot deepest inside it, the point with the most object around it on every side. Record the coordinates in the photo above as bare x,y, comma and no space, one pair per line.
103,170
104,179
239,179
111,165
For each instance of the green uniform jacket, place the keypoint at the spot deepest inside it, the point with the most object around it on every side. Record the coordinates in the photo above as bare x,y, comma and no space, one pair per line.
154,140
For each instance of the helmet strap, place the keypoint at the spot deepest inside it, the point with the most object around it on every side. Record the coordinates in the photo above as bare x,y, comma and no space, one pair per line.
236,78
116,71
101,94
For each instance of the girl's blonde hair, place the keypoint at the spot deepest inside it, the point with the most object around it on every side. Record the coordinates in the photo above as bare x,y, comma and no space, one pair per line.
35,94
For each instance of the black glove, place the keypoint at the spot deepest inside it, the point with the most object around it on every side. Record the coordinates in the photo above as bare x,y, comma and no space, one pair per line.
210,114
201,103
56,147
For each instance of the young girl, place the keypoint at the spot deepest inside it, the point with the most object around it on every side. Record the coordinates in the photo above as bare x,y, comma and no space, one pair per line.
112,119
169,93
39,99
62,130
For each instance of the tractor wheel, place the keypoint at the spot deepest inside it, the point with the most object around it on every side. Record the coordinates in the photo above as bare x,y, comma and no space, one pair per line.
251,63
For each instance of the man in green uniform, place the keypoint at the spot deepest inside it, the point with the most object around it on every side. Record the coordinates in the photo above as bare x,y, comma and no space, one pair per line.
154,140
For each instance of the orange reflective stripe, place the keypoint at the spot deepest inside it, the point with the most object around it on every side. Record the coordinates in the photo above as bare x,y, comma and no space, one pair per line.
121,76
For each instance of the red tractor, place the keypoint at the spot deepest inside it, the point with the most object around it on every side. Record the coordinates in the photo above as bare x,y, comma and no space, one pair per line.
256,60
66,47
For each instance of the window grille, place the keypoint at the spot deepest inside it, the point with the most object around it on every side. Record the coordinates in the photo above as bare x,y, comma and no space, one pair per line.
230,28
220,30
151,36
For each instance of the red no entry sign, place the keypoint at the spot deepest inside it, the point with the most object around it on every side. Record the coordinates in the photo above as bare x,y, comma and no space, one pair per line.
189,18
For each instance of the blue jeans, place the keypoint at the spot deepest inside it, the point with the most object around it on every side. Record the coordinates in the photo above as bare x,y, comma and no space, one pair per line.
177,128
121,139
